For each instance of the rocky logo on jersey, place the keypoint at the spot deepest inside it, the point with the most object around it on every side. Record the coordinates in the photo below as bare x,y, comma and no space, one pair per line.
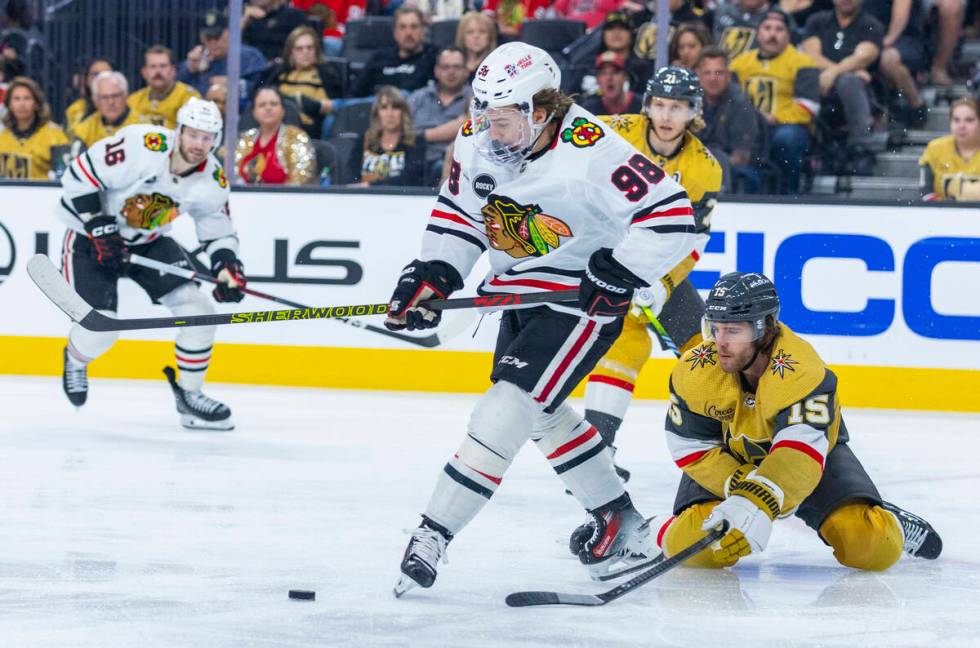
219,177
781,362
702,356
521,230
155,142
144,211
582,133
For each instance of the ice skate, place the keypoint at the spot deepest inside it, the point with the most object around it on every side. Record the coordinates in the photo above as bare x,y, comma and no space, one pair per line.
921,540
74,380
197,411
620,543
425,551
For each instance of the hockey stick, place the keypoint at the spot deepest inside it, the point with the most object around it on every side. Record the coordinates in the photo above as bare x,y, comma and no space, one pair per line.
665,340
526,599
428,341
55,288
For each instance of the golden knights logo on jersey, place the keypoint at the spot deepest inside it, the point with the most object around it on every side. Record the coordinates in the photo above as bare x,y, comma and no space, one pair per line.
749,450
702,356
737,39
521,230
14,166
762,92
582,133
781,362
144,211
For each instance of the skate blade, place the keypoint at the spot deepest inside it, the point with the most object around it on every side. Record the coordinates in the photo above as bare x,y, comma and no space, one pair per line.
403,585
193,423
623,567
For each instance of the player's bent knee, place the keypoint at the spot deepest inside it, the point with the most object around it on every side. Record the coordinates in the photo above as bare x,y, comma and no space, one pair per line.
863,536
503,417
685,530
187,299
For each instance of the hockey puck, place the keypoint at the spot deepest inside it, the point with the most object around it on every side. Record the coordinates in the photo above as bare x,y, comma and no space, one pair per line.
302,595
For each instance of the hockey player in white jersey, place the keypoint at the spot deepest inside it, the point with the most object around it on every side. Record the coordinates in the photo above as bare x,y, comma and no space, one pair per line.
121,196
560,201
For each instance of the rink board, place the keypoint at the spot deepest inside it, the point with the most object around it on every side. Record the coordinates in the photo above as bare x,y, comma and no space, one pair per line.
887,295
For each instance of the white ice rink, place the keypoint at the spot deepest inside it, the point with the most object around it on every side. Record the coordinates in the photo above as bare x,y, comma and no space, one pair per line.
119,528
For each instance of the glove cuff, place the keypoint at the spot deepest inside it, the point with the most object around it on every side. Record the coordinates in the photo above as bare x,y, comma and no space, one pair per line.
602,264
101,225
761,491
222,257
438,274
737,476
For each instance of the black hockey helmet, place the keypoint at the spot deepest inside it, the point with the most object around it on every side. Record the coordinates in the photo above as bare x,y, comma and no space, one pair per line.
675,83
742,297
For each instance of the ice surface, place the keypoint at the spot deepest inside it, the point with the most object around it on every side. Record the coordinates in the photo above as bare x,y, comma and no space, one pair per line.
119,528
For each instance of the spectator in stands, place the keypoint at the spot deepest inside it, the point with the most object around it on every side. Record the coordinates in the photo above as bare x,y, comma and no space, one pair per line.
210,59
783,83
333,14
407,65
32,147
163,95
274,153
950,165
734,25
681,11
591,12
613,97
476,36
439,109
686,43
84,106
392,155
950,23
731,130
267,23
17,23
306,77
109,92
617,37
509,14
845,43
903,53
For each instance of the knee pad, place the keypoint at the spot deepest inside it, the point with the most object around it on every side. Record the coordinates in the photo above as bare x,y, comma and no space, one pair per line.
685,530
863,536
503,419
85,345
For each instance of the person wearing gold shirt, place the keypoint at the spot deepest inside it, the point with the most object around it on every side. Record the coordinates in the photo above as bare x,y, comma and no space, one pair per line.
82,81
109,90
163,95
665,134
32,147
949,169
755,425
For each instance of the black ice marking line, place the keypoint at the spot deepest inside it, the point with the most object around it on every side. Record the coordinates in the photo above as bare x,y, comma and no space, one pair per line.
526,599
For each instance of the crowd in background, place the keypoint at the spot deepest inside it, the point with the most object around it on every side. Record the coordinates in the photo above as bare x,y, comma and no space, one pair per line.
783,83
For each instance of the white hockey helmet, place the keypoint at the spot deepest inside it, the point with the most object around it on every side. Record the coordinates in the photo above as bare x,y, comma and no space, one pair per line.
508,79
203,115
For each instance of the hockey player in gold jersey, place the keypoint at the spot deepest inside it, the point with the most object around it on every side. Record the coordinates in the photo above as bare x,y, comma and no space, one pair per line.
163,95
665,134
755,424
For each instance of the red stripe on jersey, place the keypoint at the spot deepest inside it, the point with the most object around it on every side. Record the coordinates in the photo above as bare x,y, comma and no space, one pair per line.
495,480
579,343
676,211
436,213
691,458
531,283
663,530
799,446
189,361
87,175
574,443
615,382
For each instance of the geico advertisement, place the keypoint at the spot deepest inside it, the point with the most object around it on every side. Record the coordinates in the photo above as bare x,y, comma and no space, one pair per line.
867,285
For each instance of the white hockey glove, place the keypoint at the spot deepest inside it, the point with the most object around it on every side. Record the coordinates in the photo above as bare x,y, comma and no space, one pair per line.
752,504
653,297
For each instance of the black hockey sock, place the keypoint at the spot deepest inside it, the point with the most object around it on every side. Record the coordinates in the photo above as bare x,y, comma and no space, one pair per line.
606,424
435,526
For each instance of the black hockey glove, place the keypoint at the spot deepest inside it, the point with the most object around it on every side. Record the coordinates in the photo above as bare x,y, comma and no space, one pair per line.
227,269
110,248
420,281
607,287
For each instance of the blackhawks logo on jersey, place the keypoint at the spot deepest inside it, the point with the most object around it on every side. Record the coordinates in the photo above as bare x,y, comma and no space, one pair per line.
219,177
521,230
702,356
781,363
582,133
155,142
144,211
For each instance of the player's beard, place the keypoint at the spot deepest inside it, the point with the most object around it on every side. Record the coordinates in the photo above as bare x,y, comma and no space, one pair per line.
182,162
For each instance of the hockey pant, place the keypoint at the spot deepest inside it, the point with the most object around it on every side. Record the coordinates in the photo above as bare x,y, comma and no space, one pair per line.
98,287
541,356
